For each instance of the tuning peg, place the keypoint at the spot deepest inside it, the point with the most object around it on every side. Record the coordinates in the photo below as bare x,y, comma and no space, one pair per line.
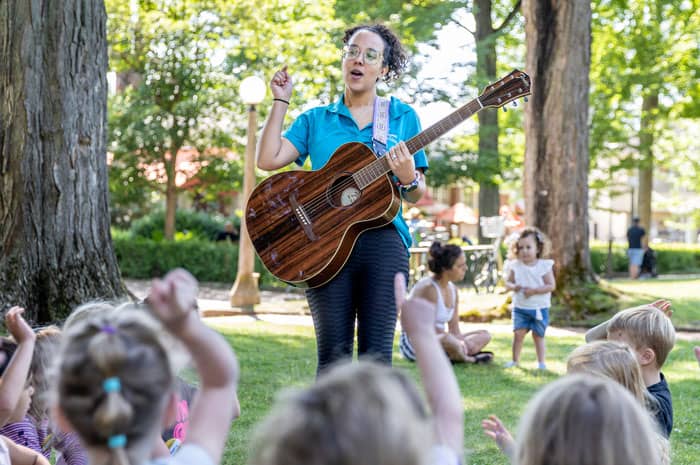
505,109
525,99
515,104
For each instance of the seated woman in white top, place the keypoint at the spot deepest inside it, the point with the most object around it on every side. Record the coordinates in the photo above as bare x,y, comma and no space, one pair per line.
447,264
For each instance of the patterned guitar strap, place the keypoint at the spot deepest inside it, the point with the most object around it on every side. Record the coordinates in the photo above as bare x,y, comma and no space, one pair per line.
380,125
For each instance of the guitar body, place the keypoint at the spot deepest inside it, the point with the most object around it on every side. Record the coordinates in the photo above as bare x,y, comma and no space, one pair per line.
304,224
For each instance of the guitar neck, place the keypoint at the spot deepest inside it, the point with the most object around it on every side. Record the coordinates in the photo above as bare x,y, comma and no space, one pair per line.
425,137
380,166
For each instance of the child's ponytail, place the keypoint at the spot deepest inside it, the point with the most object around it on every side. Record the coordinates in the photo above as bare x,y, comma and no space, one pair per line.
114,380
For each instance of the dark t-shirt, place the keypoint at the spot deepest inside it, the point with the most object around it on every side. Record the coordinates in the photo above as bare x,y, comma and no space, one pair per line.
634,237
664,407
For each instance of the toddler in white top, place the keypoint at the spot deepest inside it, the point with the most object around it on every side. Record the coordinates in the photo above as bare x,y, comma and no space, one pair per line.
531,279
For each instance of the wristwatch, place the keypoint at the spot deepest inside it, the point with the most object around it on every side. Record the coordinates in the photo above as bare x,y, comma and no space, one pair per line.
411,186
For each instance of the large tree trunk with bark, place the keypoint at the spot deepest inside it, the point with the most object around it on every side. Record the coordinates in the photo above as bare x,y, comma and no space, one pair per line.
558,37
55,244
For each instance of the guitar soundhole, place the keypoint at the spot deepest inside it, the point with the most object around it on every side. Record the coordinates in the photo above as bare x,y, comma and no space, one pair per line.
343,192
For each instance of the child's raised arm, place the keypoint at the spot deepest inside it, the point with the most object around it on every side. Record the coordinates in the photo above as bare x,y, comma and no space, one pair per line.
15,376
174,301
437,376
600,332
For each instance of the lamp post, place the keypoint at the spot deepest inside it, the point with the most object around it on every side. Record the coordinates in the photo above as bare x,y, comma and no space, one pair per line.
245,290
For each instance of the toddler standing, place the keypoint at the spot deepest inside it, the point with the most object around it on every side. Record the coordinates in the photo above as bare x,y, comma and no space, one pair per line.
531,279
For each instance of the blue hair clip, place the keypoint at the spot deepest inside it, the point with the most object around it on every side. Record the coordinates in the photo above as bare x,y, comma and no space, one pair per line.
118,441
111,384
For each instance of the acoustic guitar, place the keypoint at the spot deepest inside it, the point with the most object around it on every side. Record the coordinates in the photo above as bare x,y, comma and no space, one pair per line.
304,224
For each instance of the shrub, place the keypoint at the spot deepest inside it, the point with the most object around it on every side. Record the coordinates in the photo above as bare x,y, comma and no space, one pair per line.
141,258
670,258
189,222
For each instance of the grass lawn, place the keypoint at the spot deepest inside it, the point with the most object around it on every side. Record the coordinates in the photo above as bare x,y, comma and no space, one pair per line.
683,293
274,357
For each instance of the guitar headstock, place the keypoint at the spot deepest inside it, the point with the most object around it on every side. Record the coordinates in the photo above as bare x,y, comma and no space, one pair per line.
509,88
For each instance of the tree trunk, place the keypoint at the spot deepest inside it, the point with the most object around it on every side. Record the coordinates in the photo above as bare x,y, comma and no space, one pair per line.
55,245
488,118
556,158
650,105
170,200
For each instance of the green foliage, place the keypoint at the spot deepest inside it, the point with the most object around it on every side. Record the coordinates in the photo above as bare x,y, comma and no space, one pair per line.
639,49
670,258
197,224
141,258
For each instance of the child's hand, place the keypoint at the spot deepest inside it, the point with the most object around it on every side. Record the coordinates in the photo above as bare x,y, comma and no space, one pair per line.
663,305
17,325
494,428
416,314
173,299
529,291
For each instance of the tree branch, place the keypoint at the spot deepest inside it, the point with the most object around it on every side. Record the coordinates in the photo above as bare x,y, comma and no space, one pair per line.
509,18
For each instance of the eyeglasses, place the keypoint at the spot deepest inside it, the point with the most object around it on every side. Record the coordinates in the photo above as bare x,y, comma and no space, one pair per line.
350,52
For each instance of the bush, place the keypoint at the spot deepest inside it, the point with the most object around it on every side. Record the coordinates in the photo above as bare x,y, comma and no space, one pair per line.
189,223
670,258
141,258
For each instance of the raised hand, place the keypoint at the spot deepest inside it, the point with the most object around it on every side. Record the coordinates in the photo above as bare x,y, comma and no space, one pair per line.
663,305
417,315
281,84
18,326
494,428
173,299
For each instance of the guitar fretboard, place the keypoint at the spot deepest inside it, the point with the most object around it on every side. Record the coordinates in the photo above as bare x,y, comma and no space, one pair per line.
380,166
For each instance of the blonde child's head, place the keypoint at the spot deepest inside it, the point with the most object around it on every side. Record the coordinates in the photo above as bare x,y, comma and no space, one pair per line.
541,242
643,328
609,359
586,420
356,413
48,341
114,378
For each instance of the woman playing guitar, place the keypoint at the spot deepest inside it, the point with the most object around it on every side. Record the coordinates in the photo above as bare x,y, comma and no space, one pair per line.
363,289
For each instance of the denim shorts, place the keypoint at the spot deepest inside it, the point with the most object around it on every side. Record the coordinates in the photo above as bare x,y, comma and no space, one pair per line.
527,318
636,256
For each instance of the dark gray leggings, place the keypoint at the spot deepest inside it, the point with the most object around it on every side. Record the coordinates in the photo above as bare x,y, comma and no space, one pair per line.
363,290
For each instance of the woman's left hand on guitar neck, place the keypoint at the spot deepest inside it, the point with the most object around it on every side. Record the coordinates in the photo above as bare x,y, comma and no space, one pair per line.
403,166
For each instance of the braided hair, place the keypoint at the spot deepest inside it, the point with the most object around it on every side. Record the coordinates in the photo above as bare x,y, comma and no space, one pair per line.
114,374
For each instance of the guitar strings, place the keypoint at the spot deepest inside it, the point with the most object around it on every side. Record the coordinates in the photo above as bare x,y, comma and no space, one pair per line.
442,126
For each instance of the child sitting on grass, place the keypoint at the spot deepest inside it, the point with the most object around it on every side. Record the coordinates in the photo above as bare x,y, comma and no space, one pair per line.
650,333
371,414
116,385
606,359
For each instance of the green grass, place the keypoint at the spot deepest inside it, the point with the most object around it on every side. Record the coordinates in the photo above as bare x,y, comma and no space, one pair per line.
683,293
274,357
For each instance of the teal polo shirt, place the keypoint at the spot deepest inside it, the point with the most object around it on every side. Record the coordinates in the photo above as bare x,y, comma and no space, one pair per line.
318,132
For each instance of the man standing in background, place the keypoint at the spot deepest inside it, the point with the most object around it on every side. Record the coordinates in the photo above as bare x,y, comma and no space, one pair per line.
635,251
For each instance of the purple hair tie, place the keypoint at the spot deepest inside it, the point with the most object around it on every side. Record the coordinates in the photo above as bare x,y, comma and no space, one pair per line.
109,329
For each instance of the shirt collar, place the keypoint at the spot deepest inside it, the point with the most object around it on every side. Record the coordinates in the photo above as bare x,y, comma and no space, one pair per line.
396,109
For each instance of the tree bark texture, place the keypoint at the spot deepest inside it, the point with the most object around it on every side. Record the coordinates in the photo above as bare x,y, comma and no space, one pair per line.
558,34
489,201
55,245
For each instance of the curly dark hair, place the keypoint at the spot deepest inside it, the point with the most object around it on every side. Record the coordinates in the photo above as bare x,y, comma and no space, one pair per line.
442,257
394,55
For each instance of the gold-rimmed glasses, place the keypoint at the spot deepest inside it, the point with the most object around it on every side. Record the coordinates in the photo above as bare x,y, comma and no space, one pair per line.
351,52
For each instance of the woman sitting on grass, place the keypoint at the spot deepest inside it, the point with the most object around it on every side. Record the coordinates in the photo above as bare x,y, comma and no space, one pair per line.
448,265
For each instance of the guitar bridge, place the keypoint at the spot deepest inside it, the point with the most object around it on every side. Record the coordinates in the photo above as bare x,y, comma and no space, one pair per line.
302,218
